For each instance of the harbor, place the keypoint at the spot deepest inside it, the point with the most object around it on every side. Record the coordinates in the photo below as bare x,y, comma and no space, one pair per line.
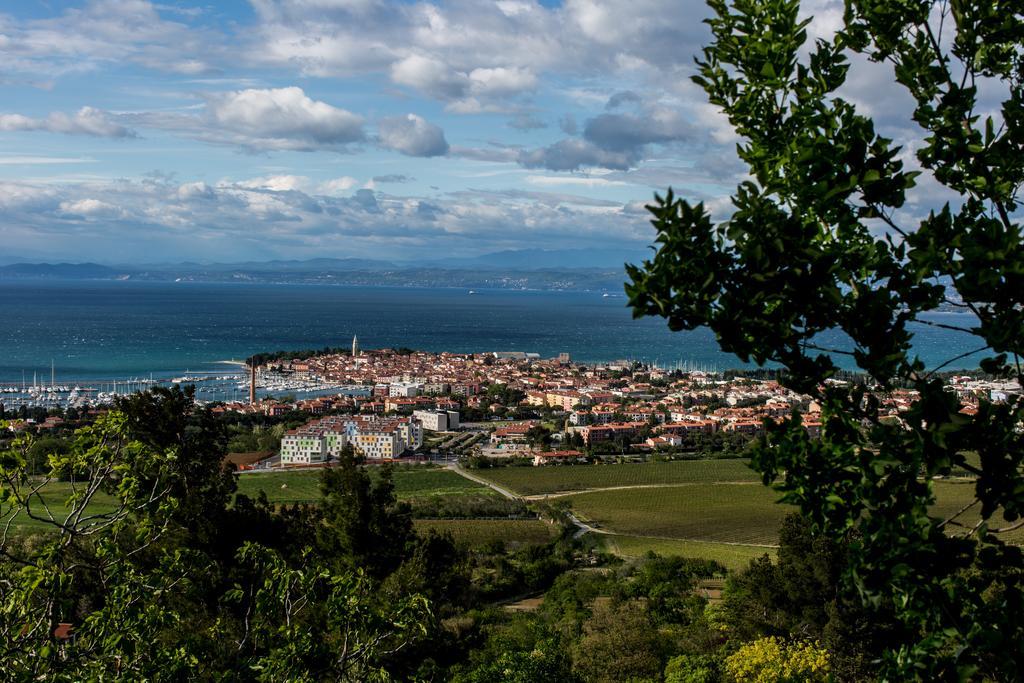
210,387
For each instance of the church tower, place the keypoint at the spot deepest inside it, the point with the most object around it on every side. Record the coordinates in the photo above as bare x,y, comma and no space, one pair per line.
355,346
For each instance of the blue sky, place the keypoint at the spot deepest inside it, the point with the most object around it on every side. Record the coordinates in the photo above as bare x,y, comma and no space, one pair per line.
159,131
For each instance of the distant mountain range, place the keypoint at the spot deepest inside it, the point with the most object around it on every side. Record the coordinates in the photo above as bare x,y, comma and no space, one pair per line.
536,259
586,269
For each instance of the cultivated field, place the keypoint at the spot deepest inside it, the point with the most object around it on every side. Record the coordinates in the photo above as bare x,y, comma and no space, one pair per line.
297,486
953,496
732,557
729,513
54,496
476,532
531,481
303,486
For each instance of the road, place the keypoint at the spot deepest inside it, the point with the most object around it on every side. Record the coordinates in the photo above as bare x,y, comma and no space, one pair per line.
455,467
581,527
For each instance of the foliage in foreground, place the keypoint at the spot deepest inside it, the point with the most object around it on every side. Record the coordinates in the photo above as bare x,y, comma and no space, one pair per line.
172,582
818,241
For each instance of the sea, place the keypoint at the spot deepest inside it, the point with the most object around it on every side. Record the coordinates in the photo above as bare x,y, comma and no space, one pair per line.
82,331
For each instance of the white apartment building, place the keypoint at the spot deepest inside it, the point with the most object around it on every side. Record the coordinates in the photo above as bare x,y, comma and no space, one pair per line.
303,449
372,437
404,389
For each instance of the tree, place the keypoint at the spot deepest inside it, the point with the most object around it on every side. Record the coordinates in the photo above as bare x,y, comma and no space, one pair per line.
817,242
152,594
363,525
538,436
800,596
620,642
771,660
543,663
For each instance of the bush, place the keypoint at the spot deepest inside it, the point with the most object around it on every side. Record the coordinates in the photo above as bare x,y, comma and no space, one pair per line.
692,669
772,660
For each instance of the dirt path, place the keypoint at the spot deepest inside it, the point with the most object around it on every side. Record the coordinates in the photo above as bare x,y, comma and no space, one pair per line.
576,492
581,528
585,528
454,467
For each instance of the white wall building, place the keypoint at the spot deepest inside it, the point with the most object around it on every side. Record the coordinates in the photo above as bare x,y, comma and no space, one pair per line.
437,420
303,449
404,389
371,437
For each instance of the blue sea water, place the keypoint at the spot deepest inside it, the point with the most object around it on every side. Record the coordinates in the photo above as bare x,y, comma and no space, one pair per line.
105,329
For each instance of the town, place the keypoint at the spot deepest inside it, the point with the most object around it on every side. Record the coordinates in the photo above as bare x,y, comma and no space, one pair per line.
518,405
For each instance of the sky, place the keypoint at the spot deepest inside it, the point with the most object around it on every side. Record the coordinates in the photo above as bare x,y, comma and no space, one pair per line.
154,132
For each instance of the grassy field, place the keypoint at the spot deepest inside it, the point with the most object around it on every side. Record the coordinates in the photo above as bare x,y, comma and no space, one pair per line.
733,557
475,532
730,513
528,481
699,521
719,513
303,486
952,496
296,486
54,496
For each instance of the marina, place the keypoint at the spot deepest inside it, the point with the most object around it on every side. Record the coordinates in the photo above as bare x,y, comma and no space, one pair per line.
210,387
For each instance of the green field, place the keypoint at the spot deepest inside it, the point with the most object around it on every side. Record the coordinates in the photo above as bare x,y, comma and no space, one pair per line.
530,481
54,496
719,513
733,557
296,486
952,496
475,532
303,486
730,513
698,521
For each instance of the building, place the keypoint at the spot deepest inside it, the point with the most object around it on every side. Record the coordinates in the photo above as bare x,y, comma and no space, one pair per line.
372,437
552,457
688,427
664,441
515,433
303,449
355,346
598,433
465,388
437,420
435,388
404,389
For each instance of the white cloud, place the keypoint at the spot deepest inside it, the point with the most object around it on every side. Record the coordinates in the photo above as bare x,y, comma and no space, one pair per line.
412,135
502,81
196,190
281,118
583,181
337,185
158,219
13,160
429,75
86,121
105,32
93,208
277,183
